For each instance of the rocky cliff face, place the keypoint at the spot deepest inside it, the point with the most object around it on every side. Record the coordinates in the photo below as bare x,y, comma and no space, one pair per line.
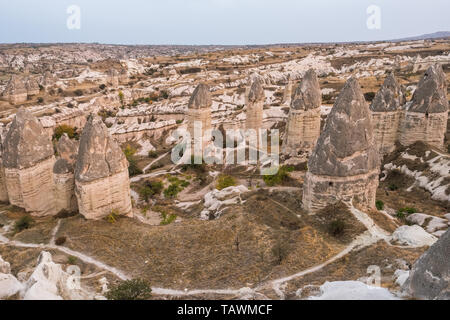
101,173
344,164
386,114
425,118
430,274
303,125
28,161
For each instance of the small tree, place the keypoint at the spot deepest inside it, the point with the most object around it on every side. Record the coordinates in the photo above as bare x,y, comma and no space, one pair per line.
135,289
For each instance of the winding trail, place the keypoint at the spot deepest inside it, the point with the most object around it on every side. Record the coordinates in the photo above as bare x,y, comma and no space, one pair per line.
154,161
371,236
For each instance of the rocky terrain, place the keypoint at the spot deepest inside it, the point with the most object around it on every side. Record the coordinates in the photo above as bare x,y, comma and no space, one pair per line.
91,197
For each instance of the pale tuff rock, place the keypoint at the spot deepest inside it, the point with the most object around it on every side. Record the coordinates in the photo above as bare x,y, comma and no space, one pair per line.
101,173
64,180
50,282
386,114
67,149
28,163
4,266
430,274
303,125
199,114
113,77
32,86
344,165
3,191
255,104
48,79
425,118
26,143
15,91
201,98
287,93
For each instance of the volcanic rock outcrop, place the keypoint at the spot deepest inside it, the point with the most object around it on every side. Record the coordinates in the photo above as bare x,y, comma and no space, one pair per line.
287,94
102,184
385,110
344,165
32,86
303,125
15,91
28,163
199,118
63,174
425,118
255,104
430,275
113,77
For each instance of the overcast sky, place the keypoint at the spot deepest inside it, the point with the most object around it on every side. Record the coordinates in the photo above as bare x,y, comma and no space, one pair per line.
218,21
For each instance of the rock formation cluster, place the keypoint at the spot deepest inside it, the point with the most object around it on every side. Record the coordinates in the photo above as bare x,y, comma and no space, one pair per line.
344,165
386,114
91,177
303,124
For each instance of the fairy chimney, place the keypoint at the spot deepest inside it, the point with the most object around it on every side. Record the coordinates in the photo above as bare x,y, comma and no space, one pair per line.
32,86
102,184
15,91
425,117
199,118
385,111
28,163
255,104
63,174
303,124
112,77
344,165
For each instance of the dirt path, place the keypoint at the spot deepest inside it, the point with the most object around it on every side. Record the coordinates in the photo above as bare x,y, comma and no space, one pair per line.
371,236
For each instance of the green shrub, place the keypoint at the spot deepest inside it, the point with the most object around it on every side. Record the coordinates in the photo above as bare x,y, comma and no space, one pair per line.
336,227
70,131
172,191
167,219
379,204
133,168
280,250
60,241
179,121
150,189
152,154
225,181
113,216
23,223
135,289
71,260
392,187
279,177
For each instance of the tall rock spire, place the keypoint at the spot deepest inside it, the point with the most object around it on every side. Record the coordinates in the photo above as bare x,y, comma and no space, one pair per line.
303,124
101,173
386,114
425,118
344,164
28,162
